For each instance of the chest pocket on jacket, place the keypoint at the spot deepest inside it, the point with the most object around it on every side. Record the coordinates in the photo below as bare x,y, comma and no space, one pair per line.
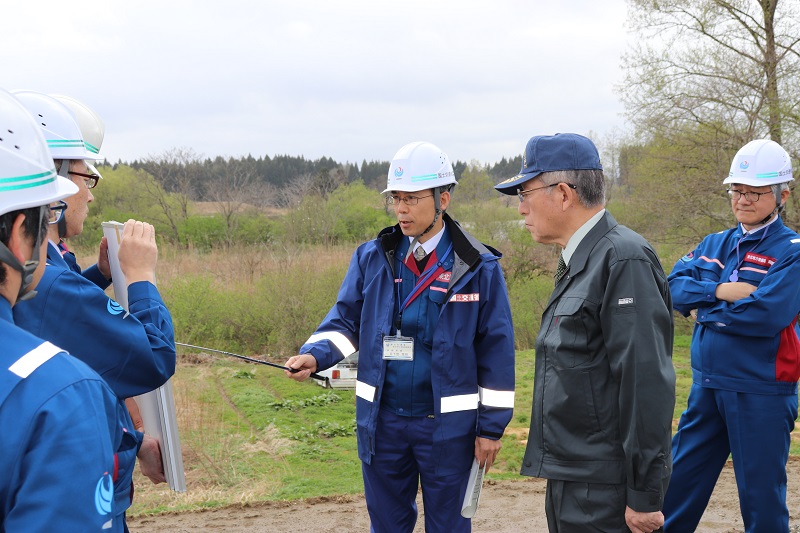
567,337
709,271
751,274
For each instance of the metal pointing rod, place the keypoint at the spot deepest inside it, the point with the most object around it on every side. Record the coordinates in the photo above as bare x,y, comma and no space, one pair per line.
259,361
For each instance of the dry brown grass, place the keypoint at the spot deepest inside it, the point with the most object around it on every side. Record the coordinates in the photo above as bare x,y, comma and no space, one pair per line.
240,263
215,208
246,263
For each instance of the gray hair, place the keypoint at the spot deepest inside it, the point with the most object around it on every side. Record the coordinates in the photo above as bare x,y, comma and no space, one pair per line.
590,184
777,189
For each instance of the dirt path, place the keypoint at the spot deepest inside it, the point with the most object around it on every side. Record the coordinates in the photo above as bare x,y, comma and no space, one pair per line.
506,507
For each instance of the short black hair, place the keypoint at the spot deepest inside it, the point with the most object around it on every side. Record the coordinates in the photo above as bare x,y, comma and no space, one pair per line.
34,225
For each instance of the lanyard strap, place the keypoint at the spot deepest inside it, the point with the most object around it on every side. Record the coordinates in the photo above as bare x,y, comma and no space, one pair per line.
735,274
425,279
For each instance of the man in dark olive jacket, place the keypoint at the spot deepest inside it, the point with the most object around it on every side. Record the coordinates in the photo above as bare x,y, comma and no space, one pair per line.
604,390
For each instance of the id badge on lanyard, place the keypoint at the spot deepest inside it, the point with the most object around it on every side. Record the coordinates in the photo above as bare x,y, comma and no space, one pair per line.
398,348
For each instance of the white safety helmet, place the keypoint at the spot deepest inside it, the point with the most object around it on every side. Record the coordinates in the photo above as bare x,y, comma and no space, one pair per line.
60,127
27,176
759,163
418,166
93,129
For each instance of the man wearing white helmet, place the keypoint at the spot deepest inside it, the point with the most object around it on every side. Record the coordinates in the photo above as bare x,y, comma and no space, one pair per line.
742,287
426,306
59,418
92,130
134,352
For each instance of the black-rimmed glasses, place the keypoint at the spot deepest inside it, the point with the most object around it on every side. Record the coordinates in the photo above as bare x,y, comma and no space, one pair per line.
408,200
522,193
89,179
750,196
56,212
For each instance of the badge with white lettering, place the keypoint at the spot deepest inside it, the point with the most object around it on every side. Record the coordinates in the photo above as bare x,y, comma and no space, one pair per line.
398,348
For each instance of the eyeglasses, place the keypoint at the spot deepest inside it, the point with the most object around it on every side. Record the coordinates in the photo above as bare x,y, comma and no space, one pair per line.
522,193
408,200
750,196
56,212
89,179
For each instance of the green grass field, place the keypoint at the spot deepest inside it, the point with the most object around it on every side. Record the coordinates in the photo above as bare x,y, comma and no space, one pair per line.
248,433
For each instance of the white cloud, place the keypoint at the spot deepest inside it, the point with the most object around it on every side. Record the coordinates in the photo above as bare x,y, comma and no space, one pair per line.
351,79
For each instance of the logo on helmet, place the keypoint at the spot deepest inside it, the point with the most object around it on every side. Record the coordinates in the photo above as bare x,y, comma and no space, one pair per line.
398,172
744,165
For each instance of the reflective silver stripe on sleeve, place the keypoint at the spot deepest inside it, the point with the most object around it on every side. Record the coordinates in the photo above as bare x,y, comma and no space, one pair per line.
341,342
364,391
462,402
497,398
32,360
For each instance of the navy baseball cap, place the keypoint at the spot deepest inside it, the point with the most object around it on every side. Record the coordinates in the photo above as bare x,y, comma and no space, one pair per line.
547,153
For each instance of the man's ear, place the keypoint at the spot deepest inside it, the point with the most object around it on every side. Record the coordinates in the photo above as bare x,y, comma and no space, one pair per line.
444,200
19,244
785,196
568,196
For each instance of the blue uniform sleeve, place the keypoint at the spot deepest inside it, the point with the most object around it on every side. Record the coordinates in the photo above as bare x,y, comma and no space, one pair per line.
494,347
93,274
337,335
66,469
768,309
134,352
691,286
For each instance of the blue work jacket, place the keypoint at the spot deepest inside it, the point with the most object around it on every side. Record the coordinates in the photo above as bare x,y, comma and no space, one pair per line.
472,363
750,345
60,429
134,352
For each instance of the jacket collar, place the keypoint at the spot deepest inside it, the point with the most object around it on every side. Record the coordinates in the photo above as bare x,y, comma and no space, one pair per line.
581,255
467,249
54,255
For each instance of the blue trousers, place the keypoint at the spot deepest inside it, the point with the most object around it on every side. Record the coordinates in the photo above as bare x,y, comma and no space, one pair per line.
402,462
754,429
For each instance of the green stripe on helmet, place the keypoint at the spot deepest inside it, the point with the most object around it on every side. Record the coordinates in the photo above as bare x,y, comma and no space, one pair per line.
767,175
425,177
26,182
64,143
92,148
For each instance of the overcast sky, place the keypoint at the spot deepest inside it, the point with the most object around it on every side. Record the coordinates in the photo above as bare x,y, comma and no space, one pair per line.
347,79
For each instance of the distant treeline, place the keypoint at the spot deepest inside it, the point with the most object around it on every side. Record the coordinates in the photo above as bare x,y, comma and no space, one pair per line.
175,167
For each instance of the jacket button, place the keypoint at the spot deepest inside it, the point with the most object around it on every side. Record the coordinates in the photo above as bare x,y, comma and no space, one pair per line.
528,464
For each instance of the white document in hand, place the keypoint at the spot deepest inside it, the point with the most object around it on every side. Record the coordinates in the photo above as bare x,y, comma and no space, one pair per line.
473,493
158,406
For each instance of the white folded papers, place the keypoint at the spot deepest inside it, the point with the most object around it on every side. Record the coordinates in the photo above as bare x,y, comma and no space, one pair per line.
473,493
157,407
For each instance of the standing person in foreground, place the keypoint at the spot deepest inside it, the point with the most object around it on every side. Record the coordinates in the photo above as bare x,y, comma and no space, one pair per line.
426,305
604,389
58,417
93,132
742,285
134,352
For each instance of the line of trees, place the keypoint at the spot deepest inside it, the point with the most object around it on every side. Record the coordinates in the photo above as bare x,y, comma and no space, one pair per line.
703,78
278,181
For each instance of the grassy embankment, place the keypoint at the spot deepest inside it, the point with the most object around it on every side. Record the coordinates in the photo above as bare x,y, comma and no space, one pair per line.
249,434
